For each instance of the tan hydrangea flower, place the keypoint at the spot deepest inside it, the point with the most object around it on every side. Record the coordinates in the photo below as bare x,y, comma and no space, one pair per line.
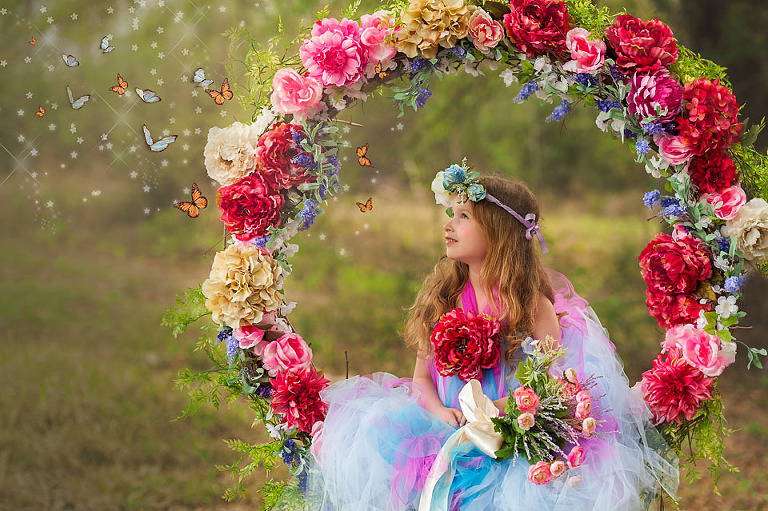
429,24
243,285
751,230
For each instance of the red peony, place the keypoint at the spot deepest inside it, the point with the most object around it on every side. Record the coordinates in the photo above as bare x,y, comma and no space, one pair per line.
709,119
249,207
673,310
465,345
297,397
713,172
641,46
275,153
537,26
651,90
674,388
672,266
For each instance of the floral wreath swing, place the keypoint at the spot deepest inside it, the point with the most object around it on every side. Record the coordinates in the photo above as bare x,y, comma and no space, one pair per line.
673,108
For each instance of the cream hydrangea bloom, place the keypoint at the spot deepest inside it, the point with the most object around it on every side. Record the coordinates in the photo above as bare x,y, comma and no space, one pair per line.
428,24
750,227
243,284
230,152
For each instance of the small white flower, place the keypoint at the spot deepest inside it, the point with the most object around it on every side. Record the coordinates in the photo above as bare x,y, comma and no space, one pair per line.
726,306
721,263
508,76
602,121
542,65
473,69
544,96
442,196
493,65
290,249
657,165
287,308
274,430
705,221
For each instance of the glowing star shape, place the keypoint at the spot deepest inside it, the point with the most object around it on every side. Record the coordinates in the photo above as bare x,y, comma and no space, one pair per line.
160,30
74,17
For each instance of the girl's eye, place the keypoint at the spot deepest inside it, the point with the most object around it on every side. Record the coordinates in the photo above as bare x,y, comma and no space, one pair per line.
464,215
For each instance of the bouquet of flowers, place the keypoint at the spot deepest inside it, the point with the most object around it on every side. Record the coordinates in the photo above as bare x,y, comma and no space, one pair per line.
546,414
465,344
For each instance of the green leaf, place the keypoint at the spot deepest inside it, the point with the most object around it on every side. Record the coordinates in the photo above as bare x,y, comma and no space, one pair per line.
725,335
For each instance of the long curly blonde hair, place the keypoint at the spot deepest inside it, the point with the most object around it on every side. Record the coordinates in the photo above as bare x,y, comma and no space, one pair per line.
511,269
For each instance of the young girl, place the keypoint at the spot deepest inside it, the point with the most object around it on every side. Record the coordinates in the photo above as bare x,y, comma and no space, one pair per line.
383,434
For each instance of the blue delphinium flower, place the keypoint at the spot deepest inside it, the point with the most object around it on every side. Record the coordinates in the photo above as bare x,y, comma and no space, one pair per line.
651,198
287,452
586,80
304,160
642,146
725,244
605,105
628,133
653,128
672,208
418,64
265,390
616,74
297,136
308,214
733,284
259,242
303,482
459,51
560,112
422,97
526,91
223,334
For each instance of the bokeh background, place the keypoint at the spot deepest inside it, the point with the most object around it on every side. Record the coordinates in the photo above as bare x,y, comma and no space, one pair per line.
93,251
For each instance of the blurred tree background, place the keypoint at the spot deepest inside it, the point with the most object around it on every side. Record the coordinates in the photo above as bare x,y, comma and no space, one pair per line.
94,252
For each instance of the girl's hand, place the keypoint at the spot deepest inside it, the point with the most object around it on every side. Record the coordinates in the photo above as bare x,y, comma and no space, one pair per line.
451,416
501,404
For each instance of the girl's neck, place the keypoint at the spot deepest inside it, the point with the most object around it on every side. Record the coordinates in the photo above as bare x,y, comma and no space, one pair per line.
478,284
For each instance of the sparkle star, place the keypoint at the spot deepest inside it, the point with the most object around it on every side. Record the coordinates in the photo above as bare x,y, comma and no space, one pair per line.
135,47
51,127
186,133
166,132
134,174
322,237
147,211
49,20
20,112
161,55
80,140
185,52
164,163
399,126
3,63
43,9
146,188
27,60
104,136
172,120
49,204
74,17
161,3
29,95
73,155
194,93
33,152
160,81
185,147
198,110
153,45
160,30
109,145
132,149
197,131
50,68
223,113
54,106
3,11
346,129
72,128
222,9
110,10
153,71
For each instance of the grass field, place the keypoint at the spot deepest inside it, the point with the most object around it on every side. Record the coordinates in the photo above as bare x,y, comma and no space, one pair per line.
86,371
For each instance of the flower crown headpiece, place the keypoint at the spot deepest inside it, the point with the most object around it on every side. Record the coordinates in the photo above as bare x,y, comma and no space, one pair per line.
458,182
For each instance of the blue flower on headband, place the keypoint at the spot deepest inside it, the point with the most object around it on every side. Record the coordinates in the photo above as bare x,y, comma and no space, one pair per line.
453,175
457,180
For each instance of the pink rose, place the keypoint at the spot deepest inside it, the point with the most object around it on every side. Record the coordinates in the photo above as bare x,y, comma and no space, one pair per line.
334,55
317,439
526,399
250,337
673,149
295,94
377,29
700,349
484,31
583,409
557,468
575,457
540,473
286,353
588,426
727,203
526,421
571,376
588,55
583,396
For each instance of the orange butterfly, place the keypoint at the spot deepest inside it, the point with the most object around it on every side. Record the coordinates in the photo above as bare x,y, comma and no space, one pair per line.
224,93
381,74
362,159
198,202
365,207
121,85
40,111
33,41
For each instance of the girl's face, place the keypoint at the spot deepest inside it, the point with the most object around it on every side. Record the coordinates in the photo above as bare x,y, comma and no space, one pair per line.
464,239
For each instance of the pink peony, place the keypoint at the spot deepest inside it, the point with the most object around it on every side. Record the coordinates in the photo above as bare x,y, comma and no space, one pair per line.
673,149
672,266
286,353
540,473
727,203
277,154
334,55
295,94
641,46
526,421
557,468
297,398
537,26
376,35
673,388
588,55
250,336
249,207
655,90
484,31
699,349
526,399
465,344
576,457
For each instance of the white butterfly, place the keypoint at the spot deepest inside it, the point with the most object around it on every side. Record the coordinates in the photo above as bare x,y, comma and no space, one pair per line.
104,46
69,60
79,102
199,78
147,95
161,144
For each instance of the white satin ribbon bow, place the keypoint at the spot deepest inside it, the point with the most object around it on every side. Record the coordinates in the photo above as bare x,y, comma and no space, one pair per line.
478,409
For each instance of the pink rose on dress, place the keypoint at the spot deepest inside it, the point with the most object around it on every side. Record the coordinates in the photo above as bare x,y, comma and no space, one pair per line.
727,203
526,421
286,353
334,54
540,473
317,439
295,94
583,409
557,468
575,457
250,337
673,149
700,349
588,426
526,399
588,55
484,31
376,35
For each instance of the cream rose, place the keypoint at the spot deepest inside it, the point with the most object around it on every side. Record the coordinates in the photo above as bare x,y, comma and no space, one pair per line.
229,153
242,285
526,421
750,228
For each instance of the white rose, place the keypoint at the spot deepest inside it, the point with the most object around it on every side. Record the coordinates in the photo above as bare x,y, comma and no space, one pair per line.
442,196
750,227
230,152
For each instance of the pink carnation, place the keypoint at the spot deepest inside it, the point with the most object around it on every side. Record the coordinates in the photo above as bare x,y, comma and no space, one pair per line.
376,35
588,55
286,353
295,94
655,90
335,54
699,349
297,398
484,31
727,203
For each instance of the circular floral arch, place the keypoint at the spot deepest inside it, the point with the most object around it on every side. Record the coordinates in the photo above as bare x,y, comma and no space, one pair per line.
673,109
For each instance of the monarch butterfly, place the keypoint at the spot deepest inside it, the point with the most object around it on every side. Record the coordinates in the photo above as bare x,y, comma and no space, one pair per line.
192,209
33,41
224,93
199,78
362,158
104,46
79,102
69,60
147,95
159,145
40,111
121,85
381,74
365,207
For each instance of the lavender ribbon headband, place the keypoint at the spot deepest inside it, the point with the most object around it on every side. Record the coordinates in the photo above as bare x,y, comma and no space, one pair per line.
531,225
